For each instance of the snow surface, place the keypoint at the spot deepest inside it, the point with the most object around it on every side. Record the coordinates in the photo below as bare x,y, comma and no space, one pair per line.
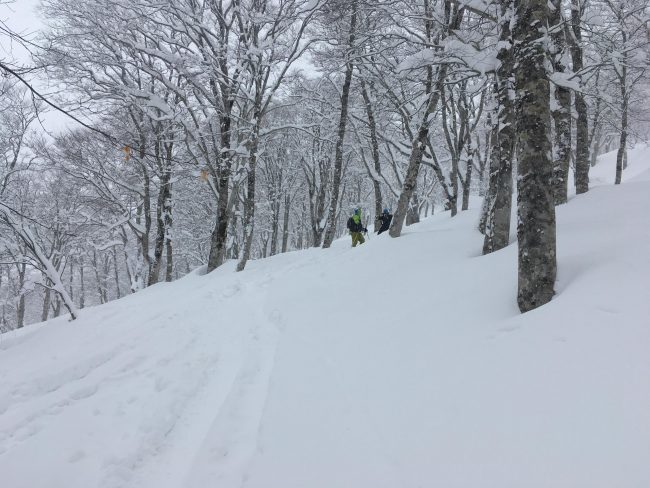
400,363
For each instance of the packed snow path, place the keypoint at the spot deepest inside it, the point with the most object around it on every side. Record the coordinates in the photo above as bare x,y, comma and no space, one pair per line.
402,363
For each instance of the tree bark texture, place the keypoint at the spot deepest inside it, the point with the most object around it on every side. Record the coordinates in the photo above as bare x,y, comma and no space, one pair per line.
621,154
163,216
249,204
499,195
535,203
467,183
285,223
582,122
82,285
219,235
562,112
622,145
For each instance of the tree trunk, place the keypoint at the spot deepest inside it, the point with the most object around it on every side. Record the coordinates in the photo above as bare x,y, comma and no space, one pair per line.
275,222
169,269
582,122
82,285
249,204
413,213
101,289
419,143
163,209
20,310
144,241
330,233
220,232
249,213
116,272
285,224
595,137
418,147
468,180
562,114
622,147
46,303
535,205
453,202
492,184
219,235
498,200
57,307
374,143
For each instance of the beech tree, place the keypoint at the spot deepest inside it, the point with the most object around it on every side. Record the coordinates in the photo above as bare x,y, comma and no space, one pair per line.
535,200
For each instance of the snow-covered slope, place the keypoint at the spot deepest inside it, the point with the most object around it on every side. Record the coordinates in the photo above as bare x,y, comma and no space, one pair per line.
402,363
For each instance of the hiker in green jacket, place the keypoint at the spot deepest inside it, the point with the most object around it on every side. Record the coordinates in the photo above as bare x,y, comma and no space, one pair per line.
356,228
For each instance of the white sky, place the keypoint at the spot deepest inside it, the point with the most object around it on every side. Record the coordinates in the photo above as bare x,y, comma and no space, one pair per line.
21,17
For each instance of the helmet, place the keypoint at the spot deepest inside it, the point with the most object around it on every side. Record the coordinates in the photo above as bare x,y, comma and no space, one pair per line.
386,211
357,210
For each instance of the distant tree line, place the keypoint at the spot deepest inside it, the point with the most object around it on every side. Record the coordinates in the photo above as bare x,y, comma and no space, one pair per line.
240,129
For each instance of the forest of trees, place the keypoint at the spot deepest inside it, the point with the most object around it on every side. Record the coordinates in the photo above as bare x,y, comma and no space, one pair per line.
219,130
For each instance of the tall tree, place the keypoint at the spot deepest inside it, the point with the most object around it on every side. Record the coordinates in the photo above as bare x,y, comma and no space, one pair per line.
535,205
332,215
562,111
580,103
453,15
499,195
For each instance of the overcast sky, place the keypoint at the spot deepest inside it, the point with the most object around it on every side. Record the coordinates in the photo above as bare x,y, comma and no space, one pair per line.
21,17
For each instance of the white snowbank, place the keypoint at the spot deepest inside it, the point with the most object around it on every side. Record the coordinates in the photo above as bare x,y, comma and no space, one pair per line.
402,363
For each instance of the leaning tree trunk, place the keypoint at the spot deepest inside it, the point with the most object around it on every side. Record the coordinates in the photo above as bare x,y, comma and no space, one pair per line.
338,153
582,122
536,210
562,114
419,143
418,147
498,199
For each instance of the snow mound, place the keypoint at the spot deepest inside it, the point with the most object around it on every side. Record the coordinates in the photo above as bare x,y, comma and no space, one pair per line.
401,363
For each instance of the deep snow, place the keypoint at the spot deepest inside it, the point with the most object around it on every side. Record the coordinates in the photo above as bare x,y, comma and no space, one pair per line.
401,363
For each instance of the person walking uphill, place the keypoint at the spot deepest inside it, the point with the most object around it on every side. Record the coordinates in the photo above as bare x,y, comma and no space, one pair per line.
356,228
384,219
